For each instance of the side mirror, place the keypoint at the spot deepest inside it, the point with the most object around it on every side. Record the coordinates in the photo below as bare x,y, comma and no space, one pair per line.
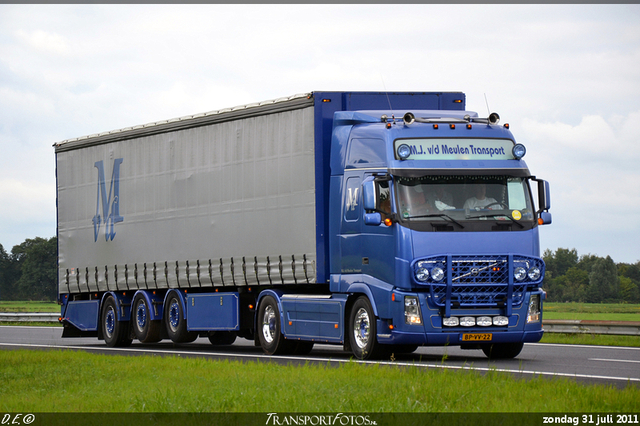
544,218
372,219
369,194
544,197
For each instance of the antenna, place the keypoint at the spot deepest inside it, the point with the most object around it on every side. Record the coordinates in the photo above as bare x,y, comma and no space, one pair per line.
487,102
385,92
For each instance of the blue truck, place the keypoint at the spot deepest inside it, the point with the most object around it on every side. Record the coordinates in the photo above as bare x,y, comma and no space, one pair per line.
377,221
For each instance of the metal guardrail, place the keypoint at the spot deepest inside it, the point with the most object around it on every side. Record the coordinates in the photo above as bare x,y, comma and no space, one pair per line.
629,328
29,317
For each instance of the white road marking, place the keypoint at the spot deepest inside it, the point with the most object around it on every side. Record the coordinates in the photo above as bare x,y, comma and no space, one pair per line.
612,360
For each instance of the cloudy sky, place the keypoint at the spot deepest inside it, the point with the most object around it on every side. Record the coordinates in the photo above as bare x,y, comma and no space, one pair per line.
565,77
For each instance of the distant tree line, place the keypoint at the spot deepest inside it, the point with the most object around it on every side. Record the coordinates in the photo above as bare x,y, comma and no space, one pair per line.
29,271
589,278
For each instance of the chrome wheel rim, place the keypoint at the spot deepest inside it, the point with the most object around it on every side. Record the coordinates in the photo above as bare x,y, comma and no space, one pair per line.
269,324
361,328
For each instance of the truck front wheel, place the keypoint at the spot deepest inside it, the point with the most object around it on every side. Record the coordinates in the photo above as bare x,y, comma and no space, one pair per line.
502,350
116,333
362,326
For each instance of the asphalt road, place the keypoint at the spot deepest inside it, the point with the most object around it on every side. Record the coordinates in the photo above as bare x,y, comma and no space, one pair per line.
617,366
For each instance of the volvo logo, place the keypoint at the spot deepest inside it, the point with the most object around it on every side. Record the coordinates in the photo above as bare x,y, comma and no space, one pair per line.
475,272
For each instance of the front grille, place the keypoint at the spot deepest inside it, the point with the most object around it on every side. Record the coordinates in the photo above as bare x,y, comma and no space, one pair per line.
481,281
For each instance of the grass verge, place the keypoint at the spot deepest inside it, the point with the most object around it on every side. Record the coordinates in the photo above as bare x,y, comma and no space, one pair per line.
66,381
28,306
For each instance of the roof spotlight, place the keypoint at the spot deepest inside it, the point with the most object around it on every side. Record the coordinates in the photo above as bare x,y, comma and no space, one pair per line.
518,151
404,151
494,118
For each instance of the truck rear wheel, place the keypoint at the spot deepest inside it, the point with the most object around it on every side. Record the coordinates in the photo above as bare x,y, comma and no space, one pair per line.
175,321
270,329
145,330
116,333
503,350
362,326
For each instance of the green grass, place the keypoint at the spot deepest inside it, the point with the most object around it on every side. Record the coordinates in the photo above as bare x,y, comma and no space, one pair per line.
28,306
66,381
592,311
591,339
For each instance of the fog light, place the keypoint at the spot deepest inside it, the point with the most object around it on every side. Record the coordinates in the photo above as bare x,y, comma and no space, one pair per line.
467,321
451,322
500,321
484,321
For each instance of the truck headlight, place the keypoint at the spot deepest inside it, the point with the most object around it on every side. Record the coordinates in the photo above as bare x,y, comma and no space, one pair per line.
520,273
437,274
422,273
412,313
533,313
534,273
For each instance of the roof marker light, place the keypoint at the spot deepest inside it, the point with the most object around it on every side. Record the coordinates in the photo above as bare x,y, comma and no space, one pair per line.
435,126
452,126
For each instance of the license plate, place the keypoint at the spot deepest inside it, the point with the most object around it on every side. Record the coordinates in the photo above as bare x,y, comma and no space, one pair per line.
482,337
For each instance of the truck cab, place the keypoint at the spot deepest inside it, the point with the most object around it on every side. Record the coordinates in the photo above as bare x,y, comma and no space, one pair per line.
438,222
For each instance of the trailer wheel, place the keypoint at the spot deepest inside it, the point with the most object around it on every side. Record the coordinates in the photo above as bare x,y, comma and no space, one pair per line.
145,330
502,350
219,338
362,326
176,323
116,333
270,329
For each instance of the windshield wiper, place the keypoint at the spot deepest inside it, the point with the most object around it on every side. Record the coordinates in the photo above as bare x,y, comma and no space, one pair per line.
494,215
446,216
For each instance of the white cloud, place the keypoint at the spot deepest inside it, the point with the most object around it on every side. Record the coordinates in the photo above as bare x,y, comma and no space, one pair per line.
564,77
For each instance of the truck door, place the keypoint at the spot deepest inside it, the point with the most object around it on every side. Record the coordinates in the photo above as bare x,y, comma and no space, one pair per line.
368,250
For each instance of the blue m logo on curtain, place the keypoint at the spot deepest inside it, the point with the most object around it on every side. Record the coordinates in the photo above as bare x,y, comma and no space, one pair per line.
110,203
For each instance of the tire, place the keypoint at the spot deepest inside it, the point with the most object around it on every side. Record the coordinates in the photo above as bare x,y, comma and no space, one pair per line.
404,349
221,338
176,323
116,333
302,348
502,350
145,330
362,330
269,328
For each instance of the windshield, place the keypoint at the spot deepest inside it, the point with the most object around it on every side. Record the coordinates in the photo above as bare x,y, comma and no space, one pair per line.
464,198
